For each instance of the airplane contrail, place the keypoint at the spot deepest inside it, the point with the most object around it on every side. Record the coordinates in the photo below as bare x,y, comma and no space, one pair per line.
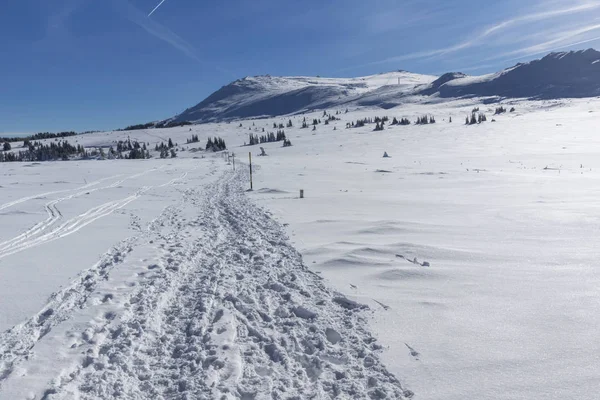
156,8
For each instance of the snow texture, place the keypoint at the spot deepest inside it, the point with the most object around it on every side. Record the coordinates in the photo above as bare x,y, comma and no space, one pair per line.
224,309
475,255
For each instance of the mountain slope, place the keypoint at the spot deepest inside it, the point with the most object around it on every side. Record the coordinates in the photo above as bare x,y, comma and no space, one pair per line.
557,75
566,74
268,96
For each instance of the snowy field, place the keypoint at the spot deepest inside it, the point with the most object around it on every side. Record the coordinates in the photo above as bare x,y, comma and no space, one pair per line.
473,247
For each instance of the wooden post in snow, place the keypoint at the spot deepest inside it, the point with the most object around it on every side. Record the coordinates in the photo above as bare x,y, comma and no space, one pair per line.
250,158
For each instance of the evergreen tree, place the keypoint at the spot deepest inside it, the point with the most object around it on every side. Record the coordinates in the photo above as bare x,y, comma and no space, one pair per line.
424,120
217,144
473,119
193,139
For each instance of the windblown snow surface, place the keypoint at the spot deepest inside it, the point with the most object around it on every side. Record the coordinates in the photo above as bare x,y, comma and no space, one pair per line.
461,267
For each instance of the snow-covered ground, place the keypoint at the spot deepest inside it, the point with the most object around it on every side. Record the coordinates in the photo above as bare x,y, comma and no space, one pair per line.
474,248
509,308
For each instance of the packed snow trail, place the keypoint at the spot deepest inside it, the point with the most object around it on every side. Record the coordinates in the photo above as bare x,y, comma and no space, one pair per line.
223,308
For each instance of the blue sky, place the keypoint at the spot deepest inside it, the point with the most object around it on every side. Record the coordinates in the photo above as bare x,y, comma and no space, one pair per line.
103,64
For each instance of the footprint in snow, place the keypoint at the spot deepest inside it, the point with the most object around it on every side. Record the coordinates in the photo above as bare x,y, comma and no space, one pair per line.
110,316
385,307
414,261
107,298
415,354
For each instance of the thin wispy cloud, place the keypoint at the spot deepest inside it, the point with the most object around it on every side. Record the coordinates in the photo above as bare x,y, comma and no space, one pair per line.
483,36
409,15
539,16
554,48
155,29
56,26
553,44
416,55
161,32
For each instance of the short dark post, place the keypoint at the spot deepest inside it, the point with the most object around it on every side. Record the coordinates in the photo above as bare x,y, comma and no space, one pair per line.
250,158
233,159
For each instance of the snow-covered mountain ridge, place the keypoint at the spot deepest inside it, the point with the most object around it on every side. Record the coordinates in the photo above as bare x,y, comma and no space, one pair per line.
267,95
573,74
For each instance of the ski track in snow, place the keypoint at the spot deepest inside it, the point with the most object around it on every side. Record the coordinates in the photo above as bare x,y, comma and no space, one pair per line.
16,343
41,233
226,310
40,195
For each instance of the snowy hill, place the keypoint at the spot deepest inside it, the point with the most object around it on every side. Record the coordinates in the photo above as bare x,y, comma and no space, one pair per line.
268,96
572,74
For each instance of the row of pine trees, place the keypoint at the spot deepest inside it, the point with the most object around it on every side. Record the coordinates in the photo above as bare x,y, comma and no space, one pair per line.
268,138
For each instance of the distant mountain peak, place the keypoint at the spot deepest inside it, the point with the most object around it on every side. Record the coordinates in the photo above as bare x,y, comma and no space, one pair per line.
568,74
587,53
